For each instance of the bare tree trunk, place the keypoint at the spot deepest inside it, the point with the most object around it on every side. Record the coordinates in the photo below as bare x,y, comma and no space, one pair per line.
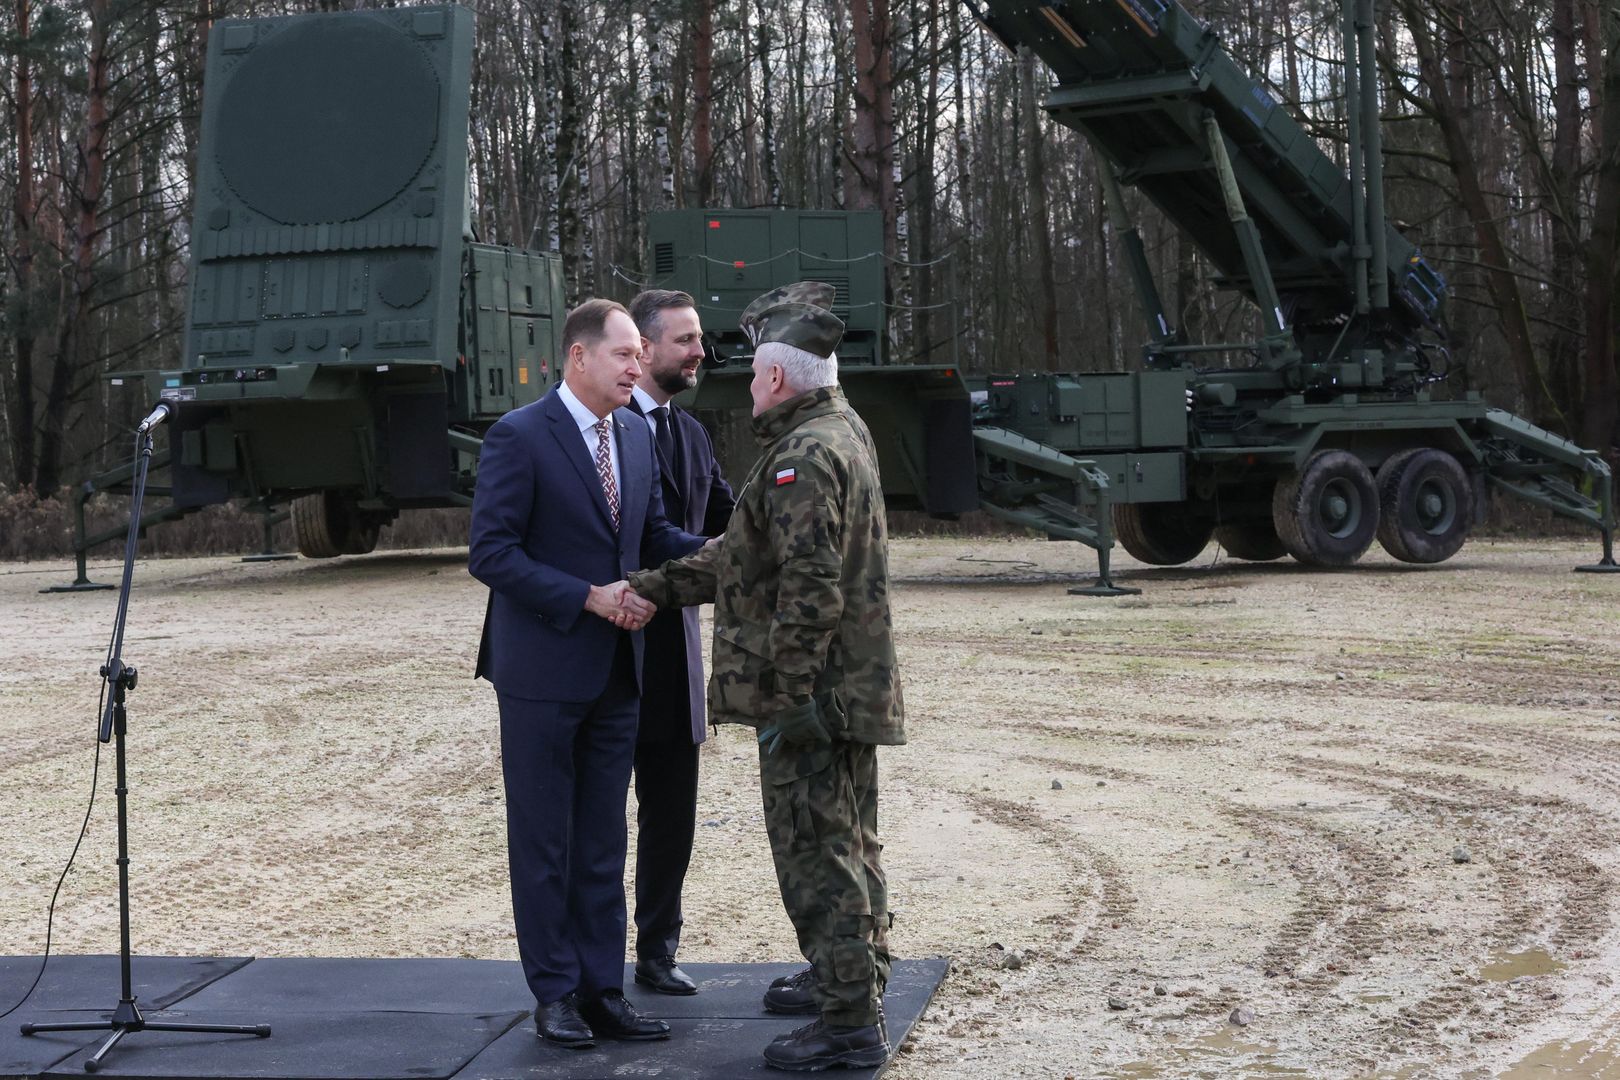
843,79
20,394
570,158
773,174
872,161
1040,217
1600,420
659,75
927,187
73,331
703,100
1514,317
1564,203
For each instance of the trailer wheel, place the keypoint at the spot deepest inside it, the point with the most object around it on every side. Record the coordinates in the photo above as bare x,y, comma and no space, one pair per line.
1427,503
1160,534
328,524
362,534
1327,513
1256,541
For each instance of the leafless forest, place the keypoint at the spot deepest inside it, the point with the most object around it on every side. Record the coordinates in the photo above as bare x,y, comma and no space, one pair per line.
1501,124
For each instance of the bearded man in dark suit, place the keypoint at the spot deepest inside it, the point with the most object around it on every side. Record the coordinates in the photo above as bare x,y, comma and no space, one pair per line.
698,499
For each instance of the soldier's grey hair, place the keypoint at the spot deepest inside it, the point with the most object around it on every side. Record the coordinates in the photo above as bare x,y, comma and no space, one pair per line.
803,370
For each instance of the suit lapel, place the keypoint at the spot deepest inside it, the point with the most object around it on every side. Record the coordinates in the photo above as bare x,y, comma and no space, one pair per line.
566,432
633,478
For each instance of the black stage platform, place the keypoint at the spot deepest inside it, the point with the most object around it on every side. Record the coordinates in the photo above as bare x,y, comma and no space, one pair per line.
345,1019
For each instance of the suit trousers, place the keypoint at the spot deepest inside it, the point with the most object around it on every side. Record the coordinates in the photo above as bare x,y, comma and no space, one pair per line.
666,819
567,771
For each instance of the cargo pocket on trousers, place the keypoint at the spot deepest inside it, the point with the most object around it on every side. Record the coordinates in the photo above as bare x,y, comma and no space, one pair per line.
852,961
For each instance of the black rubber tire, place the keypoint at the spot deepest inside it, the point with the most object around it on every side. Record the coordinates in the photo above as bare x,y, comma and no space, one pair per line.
1327,513
328,524
1426,504
1256,541
313,527
1160,534
360,537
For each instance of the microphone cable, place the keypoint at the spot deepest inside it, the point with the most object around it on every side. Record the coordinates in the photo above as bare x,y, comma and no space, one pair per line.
84,826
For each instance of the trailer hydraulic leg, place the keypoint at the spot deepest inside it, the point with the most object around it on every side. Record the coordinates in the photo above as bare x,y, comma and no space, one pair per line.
269,553
1105,584
81,582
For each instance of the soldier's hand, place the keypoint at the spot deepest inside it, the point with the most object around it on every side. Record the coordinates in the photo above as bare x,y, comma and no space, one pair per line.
619,606
804,726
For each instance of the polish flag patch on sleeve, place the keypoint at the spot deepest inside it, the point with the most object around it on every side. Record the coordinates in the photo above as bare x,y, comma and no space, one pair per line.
786,476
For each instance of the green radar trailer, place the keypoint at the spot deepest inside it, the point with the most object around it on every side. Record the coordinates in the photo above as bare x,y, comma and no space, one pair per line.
347,341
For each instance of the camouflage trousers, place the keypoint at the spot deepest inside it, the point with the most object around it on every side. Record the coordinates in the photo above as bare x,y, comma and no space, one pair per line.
821,815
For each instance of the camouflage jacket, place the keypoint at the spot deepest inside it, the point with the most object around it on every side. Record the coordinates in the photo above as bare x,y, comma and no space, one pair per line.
800,582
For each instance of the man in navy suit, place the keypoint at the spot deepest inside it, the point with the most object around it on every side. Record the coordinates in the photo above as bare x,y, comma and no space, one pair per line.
568,501
698,499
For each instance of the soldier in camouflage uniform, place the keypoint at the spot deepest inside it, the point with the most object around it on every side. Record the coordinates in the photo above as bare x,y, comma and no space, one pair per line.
803,652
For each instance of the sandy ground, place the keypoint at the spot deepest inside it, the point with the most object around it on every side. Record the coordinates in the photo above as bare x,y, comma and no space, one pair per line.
1375,810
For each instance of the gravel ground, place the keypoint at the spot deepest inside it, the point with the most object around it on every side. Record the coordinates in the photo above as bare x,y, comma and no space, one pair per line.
1371,814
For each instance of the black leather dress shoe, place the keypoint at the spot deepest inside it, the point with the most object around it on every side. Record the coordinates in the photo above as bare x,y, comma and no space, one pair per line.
612,1017
561,1023
660,973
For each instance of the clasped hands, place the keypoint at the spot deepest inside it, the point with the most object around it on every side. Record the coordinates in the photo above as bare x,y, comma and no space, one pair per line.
620,605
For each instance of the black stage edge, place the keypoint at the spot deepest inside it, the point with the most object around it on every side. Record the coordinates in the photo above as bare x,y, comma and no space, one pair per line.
356,1019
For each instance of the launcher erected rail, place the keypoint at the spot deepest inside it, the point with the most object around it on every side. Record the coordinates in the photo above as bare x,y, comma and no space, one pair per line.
1325,431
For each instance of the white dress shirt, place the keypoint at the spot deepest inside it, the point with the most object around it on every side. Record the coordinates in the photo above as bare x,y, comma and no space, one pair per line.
587,431
645,400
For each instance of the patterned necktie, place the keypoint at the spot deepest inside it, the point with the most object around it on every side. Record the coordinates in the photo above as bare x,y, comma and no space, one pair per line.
604,469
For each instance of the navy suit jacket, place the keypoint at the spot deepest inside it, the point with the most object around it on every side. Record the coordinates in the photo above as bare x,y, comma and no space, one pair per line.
542,536
698,499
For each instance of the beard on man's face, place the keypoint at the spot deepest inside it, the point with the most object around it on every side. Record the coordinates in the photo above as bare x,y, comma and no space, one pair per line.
672,380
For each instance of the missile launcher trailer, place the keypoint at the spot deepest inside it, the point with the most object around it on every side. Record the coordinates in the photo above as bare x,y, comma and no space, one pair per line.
1312,440
1323,433
347,341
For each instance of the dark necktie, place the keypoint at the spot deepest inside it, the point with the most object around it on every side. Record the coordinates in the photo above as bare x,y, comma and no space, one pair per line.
666,442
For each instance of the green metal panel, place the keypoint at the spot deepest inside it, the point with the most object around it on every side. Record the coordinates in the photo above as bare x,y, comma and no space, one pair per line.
1162,408
1144,477
699,252
332,177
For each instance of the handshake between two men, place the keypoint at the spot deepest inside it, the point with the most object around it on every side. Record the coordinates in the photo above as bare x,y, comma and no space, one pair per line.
620,605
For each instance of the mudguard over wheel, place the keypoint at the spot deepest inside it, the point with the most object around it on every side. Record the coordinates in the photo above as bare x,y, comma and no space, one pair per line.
1256,541
1160,534
1327,513
1426,505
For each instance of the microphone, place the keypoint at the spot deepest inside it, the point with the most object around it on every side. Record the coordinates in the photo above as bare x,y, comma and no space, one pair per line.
155,417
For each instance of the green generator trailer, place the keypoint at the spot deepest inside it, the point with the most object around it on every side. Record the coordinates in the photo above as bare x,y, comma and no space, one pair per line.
347,341
725,258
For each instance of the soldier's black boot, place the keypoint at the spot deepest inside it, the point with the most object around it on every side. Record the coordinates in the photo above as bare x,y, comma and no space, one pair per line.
821,1045
793,995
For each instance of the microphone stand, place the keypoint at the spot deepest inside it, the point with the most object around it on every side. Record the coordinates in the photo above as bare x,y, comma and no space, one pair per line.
120,679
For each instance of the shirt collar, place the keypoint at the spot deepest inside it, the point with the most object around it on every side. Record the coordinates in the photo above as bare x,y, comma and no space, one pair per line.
644,401
576,408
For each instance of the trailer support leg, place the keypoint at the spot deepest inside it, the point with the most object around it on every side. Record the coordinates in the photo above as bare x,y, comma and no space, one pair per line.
81,581
1105,584
269,552
1605,565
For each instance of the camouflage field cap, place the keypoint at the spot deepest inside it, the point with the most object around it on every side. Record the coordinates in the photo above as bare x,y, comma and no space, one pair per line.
795,314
